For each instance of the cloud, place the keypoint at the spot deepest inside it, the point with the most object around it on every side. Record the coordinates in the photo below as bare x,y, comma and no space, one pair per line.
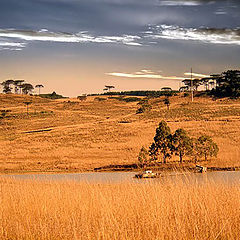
13,39
220,12
144,74
149,74
179,3
8,45
196,75
187,3
81,37
208,35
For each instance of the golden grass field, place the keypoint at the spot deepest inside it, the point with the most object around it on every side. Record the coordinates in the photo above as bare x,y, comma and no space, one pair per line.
94,133
71,210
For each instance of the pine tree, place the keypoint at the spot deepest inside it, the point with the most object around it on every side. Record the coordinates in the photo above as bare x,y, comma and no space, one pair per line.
205,147
162,142
181,143
143,156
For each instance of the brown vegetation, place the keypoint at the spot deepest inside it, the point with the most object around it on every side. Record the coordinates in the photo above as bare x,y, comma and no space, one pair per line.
88,134
71,210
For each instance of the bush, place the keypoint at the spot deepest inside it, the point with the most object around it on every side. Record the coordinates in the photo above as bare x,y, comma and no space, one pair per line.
52,95
82,98
99,99
144,108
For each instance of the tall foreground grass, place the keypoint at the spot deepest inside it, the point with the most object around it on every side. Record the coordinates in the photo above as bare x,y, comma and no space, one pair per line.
57,210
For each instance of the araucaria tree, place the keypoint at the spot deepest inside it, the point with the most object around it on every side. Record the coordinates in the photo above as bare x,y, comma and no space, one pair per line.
181,144
39,86
206,147
167,102
228,84
27,88
7,86
162,143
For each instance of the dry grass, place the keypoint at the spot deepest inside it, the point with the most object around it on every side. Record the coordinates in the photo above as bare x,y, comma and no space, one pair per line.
91,134
70,210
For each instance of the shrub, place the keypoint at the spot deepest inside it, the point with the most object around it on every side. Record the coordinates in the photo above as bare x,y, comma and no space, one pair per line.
99,99
82,98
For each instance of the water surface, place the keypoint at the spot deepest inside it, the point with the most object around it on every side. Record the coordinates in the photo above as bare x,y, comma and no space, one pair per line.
123,177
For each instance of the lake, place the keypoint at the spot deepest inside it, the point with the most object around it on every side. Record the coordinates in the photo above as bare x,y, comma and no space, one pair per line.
123,177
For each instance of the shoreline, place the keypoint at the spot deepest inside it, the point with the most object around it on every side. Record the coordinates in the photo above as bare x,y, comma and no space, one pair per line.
119,168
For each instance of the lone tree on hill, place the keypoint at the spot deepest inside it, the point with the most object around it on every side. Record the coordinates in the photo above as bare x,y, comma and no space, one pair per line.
181,144
205,147
108,87
39,86
167,102
27,104
162,142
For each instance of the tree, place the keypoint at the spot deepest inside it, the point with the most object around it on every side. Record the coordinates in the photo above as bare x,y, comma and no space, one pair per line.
181,143
7,88
82,98
228,84
184,88
167,102
166,89
162,142
143,156
27,88
39,86
18,86
205,82
205,147
105,89
27,104
194,83
108,87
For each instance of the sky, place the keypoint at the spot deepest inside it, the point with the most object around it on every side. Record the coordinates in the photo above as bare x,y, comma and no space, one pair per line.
77,47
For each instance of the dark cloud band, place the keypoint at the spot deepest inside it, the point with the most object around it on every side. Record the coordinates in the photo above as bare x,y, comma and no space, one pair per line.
208,35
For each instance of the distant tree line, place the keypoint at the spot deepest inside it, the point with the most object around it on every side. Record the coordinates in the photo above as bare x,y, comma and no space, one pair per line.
19,87
167,144
140,93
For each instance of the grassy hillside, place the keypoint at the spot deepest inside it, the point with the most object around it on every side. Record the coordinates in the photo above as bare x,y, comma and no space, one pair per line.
82,135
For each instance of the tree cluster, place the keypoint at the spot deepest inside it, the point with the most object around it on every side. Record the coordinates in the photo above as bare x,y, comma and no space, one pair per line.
226,84
167,144
19,87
